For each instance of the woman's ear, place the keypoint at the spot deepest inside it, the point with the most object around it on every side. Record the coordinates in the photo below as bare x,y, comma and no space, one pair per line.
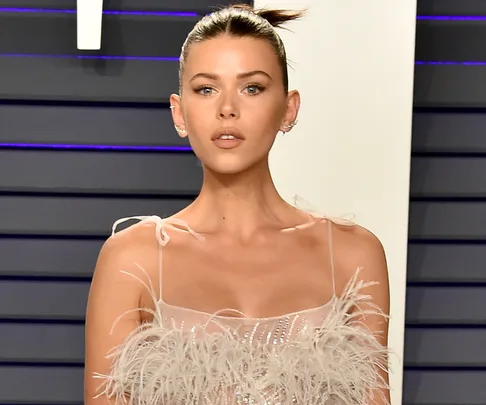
291,111
177,115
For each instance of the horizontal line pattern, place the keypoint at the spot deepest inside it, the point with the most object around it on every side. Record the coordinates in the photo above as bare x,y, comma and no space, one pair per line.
450,58
40,364
101,57
192,14
129,68
105,12
81,147
447,237
451,7
450,241
450,154
474,326
141,125
434,74
450,63
176,59
451,18
197,6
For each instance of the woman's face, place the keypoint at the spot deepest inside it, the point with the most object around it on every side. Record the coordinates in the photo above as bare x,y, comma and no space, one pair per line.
233,102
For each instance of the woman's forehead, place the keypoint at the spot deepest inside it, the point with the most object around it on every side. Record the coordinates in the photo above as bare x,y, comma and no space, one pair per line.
226,54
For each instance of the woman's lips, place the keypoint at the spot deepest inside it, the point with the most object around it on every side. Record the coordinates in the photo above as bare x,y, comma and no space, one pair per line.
227,142
227,138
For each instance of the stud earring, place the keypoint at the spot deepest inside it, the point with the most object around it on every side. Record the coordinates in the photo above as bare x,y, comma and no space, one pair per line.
290,126
180,131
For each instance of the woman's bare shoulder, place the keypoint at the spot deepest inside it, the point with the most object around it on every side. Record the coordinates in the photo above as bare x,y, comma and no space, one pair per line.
357,238
355,246
124,249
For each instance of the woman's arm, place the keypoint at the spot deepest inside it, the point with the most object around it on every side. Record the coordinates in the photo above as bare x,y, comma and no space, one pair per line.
112,294
360,248
375,270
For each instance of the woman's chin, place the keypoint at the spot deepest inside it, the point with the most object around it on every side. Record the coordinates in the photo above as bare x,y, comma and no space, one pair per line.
227,166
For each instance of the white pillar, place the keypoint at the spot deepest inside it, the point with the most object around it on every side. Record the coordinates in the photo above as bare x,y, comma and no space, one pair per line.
88,18
353,62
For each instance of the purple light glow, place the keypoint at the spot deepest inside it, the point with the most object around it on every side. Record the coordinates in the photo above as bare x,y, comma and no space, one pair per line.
451,63
51,146
176,59
451,17
108,12
108,57
193,14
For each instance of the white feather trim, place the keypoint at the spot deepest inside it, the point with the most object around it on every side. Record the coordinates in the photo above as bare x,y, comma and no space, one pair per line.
335,361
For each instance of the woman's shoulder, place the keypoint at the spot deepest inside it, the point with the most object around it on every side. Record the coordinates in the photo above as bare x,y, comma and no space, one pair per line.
346,233
134,235
354,247
135,243
355,237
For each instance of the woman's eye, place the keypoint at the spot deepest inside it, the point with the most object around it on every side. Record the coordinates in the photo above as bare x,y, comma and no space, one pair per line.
205,91
254,89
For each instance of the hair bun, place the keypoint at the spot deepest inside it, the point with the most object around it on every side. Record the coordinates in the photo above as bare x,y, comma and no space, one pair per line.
276,18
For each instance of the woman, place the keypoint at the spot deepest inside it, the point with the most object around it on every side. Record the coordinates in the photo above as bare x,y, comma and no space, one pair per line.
240,297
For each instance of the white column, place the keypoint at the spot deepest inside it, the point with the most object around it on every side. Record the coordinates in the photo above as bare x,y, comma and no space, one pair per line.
353,62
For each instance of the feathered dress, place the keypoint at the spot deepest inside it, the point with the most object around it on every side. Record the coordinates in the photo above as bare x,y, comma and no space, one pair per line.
322,355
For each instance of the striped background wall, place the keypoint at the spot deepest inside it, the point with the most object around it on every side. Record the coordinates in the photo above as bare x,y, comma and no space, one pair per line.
117,155
446,295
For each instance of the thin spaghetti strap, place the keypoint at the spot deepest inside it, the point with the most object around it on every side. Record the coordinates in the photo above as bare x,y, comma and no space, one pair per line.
331,255
159,248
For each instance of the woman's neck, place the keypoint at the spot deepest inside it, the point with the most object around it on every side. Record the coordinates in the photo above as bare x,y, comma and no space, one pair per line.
240,204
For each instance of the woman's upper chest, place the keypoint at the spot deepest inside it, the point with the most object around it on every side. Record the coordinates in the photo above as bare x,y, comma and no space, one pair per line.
271,275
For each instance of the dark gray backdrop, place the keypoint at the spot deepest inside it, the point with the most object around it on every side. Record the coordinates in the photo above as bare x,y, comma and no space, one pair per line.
57,204
446,293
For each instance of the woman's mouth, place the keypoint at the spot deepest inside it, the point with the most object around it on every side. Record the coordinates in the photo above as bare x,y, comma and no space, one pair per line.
227,138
